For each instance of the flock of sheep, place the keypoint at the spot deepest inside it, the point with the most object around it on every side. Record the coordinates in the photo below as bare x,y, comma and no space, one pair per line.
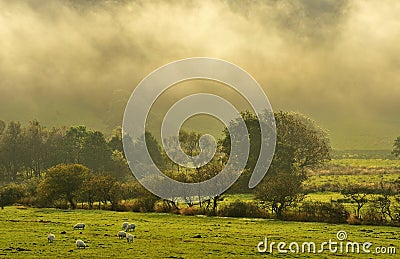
126,226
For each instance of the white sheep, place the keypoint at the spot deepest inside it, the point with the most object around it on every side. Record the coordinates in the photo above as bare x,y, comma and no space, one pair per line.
124,225
51,237
129,237
121,234
80,244
79,226
130,227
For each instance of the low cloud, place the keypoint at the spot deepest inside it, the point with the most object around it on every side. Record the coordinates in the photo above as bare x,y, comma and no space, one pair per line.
71,62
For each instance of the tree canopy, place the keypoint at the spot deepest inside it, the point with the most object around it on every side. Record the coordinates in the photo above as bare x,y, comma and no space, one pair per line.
300,144
26,152
64,181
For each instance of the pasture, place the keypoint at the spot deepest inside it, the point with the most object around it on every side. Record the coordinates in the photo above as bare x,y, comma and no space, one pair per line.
24,234
339,173
371,163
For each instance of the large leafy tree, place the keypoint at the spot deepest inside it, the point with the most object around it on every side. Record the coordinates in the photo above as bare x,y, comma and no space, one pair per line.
300,144
64,182
253,127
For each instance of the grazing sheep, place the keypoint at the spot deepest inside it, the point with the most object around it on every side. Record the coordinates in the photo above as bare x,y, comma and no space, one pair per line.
121,234
79,226
51,237
80,244
124,225
130,227
129,237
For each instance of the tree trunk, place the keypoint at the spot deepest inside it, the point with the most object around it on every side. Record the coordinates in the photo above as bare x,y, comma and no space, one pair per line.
358,210
215,204
72,202
279,211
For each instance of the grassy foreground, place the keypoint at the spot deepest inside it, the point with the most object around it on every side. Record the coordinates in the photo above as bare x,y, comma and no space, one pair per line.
24,234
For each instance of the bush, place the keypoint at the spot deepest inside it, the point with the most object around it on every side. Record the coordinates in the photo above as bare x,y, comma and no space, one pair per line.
10,194
372,215
126,206
61,204
353,219
164,207
136,206
242,209
145,204
191,211
329,212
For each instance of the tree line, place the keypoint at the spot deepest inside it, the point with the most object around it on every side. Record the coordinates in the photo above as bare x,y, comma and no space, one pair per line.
61,167
35,153
27,152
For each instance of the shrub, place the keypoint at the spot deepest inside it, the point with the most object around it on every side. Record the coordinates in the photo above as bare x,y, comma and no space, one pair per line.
136,206
10,194
60,204
191,211
330,212
372,215
145,204
164,207
125,206
242,209
353,219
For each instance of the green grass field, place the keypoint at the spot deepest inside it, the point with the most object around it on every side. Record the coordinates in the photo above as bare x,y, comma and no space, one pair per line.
351,179
24,235
339,173
24,230
373,163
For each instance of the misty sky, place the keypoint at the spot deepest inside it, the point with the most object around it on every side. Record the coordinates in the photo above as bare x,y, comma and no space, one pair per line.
77,62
